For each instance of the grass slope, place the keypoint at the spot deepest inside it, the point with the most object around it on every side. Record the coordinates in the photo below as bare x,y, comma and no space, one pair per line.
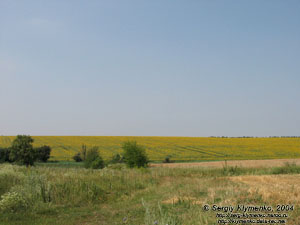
160,196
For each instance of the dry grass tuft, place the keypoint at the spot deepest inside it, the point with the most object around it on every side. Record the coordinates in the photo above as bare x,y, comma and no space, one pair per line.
267,163
177,199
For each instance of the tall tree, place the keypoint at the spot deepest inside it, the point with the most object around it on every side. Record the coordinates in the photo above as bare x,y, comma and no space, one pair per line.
22,151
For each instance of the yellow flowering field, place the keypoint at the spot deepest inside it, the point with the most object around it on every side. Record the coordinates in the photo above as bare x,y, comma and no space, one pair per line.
179,148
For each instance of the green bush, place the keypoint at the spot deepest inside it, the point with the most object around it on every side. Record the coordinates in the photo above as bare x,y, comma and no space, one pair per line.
77,157
117,158
134,155
43,153
4,155
98,163
93,159
167,159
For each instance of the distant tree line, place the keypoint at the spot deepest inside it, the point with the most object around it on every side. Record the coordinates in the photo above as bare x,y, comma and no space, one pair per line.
255,137
22,152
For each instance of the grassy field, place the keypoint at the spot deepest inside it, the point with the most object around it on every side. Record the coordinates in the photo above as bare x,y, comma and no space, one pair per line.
65,195
180,148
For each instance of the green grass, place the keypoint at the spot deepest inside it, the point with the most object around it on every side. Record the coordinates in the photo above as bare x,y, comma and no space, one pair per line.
64,193
61,164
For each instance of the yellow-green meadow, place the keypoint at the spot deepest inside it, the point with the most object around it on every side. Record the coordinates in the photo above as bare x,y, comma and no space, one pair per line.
179,148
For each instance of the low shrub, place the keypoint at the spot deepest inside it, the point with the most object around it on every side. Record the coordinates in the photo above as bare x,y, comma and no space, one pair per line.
12,202
98,163
167,159
116,166
117,158
288,168
93,159
231,170
77,157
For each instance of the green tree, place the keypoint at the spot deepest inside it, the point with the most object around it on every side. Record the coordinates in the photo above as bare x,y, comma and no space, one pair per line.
134,155
93,159
22,151
83,152
81,155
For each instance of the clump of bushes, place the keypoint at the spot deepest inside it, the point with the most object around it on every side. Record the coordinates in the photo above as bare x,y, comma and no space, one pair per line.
134,155
93,159
90,157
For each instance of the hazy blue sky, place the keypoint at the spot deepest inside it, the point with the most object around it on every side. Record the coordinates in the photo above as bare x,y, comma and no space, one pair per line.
159,67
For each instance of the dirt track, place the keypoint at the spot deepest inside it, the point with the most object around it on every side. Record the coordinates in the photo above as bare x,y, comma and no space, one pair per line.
240,163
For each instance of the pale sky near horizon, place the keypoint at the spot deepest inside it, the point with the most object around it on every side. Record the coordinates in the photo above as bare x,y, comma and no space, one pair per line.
150,68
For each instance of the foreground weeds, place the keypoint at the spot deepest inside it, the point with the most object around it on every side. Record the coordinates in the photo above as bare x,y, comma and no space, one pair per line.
117,195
